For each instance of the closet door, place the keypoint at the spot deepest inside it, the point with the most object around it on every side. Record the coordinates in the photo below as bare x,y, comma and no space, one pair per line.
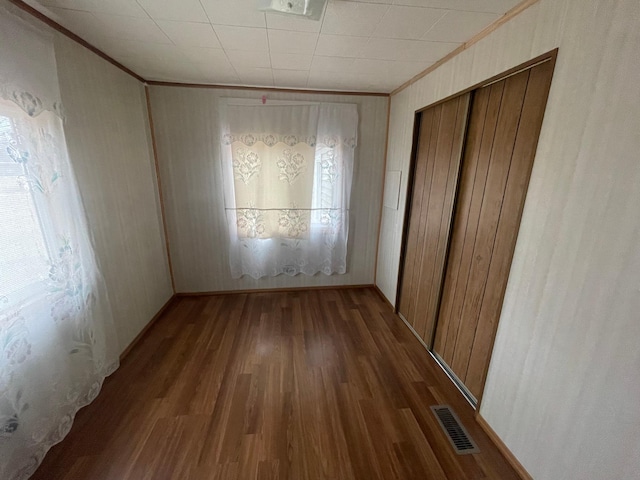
436,170
503,133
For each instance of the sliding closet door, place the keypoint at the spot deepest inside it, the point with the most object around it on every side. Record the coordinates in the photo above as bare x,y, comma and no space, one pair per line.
436,171
503,133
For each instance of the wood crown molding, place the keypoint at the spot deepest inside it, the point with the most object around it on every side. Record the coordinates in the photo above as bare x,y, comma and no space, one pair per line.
475,39
68,33
266,89
519,8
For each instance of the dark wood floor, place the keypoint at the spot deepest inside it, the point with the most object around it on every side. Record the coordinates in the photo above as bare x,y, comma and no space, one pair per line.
323,384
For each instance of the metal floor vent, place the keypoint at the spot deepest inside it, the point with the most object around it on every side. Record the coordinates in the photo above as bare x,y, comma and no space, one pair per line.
460,440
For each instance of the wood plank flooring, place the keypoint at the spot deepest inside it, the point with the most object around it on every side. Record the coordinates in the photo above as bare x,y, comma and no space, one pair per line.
320,384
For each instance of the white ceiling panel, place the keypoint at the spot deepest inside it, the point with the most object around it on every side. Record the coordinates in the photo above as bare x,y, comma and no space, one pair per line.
282,41
179,10
256,76
190,34
242,38
216,75
131,28
332,64
459,26
213,56
340,46
83,24
352,18
248,58
158,54
173,73
360,45
291,78
278,21
407,22
386,68
241,13
486,6
406,50
130,8
290,61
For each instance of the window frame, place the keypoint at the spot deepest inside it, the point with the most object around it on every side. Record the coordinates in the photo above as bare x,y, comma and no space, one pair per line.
38,287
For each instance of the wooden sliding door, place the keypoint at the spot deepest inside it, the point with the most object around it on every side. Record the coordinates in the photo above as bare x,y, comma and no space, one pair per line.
504,124
440,140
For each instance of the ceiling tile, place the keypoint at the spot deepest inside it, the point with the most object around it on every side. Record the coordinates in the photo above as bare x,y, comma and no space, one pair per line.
217,74
332,64
115,46
352,18
248,58
407,22
190,33
142,29
342,81
141,63
290,78
242,38
406,50
255,76
183,10
116,7
364,45
388,68
459,26
143,52
174,72
340,45
490,6
243,13
281,41
212,56
288,22
290,61
84,24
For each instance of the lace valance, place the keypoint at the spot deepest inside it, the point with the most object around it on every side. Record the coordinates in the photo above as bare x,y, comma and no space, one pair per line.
28,74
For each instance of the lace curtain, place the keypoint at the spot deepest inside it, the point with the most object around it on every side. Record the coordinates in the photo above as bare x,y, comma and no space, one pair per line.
57,340
288,172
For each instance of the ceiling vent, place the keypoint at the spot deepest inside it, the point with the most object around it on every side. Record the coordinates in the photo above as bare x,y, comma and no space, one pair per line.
311,9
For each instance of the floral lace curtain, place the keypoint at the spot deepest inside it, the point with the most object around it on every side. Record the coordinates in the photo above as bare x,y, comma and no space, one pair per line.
57,340
288,172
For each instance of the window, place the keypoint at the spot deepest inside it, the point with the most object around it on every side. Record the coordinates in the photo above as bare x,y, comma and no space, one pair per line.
57,340
24,255
288,172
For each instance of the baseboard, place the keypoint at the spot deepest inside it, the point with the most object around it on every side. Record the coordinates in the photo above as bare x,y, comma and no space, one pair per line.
384,299
510,457
147,327
272,290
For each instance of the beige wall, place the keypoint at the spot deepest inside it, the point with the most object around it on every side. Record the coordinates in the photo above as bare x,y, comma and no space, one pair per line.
563,385
106,127
186,124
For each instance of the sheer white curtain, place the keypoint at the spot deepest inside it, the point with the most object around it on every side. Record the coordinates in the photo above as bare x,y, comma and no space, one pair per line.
288,170
57,340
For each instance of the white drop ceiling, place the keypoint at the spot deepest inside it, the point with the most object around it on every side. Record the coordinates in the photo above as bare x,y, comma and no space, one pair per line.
368,46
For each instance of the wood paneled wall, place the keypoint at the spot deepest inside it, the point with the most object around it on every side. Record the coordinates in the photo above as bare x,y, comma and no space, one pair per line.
562,388
187,126
107,135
